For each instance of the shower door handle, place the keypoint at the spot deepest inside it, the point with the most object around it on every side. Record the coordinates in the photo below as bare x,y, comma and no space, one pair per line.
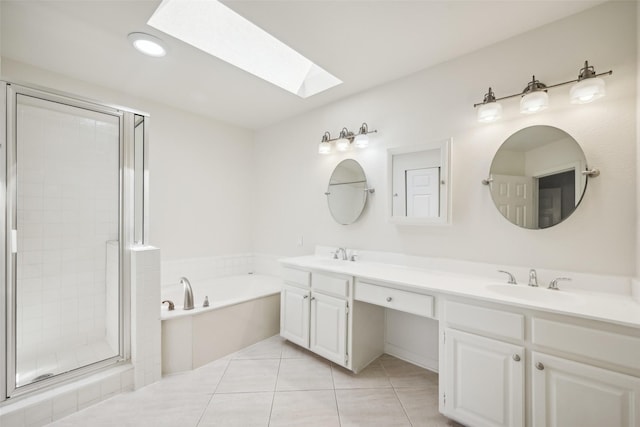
14,241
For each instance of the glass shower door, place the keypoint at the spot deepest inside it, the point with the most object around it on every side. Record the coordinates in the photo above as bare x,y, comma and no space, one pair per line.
64,228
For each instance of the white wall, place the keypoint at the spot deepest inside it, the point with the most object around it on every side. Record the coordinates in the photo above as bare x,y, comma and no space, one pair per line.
201,171
437,103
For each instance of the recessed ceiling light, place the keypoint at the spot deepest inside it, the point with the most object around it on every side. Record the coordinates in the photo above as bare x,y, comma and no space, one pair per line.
219,31
148,44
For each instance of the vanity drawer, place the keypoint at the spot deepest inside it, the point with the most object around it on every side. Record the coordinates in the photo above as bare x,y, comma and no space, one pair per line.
336,285
296,277
409,302
488,321
622,350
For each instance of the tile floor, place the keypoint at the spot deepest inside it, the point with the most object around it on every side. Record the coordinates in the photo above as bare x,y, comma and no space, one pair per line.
275,383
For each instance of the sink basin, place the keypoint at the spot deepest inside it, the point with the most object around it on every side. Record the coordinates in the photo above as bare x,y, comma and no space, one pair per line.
533,294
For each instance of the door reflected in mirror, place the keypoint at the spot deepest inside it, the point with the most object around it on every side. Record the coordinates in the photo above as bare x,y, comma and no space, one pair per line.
419,182
536,177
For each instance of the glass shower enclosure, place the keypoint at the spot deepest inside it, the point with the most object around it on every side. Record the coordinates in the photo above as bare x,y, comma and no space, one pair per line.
69,172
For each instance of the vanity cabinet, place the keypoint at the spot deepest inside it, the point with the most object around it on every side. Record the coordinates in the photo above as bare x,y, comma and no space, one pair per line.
328,336
482,375
294,314
497,360
484,384
568,393
314,312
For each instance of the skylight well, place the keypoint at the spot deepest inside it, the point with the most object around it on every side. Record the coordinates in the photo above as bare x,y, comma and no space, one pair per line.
219,31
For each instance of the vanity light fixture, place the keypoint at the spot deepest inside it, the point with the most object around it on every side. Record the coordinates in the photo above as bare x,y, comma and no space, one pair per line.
489,110
534,97
346,139
325,145
148,44
589,87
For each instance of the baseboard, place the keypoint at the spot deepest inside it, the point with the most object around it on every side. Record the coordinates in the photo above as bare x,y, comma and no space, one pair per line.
408,356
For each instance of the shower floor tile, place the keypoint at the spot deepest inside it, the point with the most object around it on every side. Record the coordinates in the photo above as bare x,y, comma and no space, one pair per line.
275,383
67,359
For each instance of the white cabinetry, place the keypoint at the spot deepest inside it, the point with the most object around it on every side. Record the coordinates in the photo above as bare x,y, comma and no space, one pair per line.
481,377
314,313
484,385
329,327
568,393
294,314
580,372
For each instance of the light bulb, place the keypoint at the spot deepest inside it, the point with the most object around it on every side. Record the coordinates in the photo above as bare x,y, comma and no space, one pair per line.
361,140
324,148
342,144
587,90
534,102
489,112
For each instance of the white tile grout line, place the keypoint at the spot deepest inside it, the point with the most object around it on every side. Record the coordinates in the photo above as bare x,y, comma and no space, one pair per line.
214,392
275,387
335,395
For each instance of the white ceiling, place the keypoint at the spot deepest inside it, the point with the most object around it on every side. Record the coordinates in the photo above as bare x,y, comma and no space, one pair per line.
363,43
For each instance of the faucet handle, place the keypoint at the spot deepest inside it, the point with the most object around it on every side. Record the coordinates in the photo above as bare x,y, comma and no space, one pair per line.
511,280
553,285
354,256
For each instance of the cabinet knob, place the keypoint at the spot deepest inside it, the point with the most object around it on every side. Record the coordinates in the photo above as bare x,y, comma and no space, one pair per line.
516,357
305,297
313,298
389,299
539,366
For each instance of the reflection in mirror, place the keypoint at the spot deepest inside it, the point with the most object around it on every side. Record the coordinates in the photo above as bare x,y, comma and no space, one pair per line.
419,182
347,192
139,153
536,177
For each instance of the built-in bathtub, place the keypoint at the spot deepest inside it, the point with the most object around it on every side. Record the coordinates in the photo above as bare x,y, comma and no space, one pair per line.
242,310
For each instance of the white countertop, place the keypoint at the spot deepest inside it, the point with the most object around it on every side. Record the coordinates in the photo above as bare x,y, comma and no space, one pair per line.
609,307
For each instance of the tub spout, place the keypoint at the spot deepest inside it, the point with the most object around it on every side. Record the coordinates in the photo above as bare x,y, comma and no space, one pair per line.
188,294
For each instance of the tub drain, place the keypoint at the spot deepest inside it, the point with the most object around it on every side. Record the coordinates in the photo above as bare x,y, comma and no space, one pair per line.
43,377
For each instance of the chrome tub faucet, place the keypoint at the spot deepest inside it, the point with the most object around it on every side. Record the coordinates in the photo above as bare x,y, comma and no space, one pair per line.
188,294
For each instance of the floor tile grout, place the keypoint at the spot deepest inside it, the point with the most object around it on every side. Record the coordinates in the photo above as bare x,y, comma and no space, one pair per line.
308,386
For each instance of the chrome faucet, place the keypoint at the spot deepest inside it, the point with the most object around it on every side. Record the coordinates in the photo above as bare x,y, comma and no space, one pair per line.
510,279
553,285
533,278
188,294
342,251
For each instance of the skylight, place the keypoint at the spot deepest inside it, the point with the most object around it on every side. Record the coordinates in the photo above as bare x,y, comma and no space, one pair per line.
219,31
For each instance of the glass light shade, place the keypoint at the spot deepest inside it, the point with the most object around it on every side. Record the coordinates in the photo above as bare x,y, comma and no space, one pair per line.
489,112
361,141
587,90
324,148
342,144
534,102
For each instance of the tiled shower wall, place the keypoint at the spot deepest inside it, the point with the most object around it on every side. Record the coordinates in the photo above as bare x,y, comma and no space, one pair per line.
68,178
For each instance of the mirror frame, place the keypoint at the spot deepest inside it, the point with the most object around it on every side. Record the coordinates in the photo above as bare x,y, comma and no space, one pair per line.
445,183
580,167
366,190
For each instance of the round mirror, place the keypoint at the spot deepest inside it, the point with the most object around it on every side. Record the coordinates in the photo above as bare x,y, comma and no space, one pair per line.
347,192
537,178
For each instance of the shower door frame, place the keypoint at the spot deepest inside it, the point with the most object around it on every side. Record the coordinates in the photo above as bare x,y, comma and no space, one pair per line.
8,218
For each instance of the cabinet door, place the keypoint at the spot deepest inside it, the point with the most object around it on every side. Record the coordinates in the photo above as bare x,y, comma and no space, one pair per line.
567,393
483,380
294,315
329,327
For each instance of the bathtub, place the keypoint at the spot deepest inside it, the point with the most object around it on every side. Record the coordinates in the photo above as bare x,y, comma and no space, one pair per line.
242,311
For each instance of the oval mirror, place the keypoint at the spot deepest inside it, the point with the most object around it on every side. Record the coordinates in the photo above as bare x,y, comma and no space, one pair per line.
537,178
347,192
